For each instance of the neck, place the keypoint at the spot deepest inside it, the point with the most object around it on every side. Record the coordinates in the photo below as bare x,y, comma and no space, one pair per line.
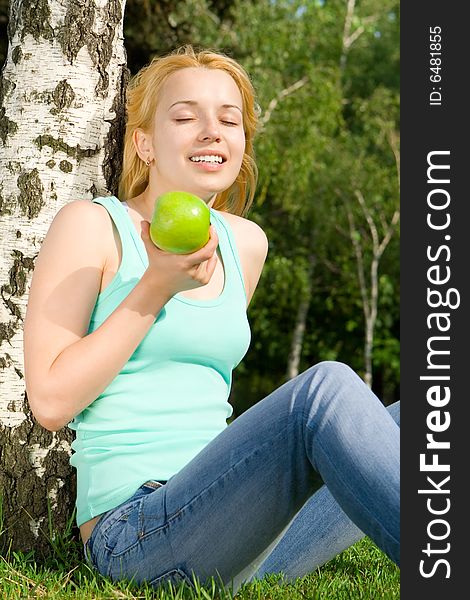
143,204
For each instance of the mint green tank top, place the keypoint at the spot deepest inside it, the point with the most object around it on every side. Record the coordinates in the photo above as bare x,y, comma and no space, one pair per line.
171,397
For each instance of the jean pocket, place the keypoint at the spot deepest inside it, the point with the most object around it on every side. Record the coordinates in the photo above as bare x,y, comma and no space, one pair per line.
113,526
176,577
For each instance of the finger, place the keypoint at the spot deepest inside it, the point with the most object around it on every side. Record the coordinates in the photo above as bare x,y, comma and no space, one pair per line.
211,265
148,242
213,237
206,251
202,272
145,235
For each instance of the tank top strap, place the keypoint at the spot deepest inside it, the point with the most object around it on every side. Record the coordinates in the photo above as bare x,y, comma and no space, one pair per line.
233,268
131,252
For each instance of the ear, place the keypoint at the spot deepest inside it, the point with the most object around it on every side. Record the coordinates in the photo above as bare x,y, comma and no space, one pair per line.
143,144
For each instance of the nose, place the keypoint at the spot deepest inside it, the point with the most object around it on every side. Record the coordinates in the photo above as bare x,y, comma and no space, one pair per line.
210,130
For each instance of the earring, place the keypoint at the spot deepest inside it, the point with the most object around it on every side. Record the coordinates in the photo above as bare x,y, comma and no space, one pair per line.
147,162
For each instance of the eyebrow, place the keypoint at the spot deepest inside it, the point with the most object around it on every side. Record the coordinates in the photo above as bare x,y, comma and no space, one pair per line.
193,102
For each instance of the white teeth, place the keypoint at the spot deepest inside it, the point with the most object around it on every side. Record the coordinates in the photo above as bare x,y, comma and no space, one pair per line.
209,158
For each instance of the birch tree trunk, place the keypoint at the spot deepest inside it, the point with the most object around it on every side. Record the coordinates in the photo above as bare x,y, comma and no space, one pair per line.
61,123
369,278
295,353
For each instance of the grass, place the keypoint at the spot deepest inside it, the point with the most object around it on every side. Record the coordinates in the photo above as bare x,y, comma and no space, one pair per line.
362,572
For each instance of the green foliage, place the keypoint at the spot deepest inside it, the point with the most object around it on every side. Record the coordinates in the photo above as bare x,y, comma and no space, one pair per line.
155,27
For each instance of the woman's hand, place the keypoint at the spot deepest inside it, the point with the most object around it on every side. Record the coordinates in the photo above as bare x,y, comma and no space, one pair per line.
175,273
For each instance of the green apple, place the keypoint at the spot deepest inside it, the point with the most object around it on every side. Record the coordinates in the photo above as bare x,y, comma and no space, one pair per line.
180,223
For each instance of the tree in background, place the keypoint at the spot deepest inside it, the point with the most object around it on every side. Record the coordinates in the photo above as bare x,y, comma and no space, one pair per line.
376,193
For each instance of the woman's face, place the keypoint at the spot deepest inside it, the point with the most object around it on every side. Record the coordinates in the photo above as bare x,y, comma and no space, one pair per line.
198,140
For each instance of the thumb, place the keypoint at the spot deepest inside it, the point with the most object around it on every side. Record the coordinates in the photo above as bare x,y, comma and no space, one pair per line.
145,235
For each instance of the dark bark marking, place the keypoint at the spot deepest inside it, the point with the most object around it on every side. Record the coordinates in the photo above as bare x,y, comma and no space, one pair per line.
16,54
59,145
16,287
18,273
101,47
78,32
35,16
30,199
6,86
7,331
65,166
112,163
7,126
5,361
14,166
77,27
12,307
63,95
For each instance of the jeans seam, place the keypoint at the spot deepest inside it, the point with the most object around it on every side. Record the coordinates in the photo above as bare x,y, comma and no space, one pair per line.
232,468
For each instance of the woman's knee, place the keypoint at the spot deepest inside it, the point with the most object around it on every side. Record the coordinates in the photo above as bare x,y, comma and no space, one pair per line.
323,390
332,369
334,381
324,381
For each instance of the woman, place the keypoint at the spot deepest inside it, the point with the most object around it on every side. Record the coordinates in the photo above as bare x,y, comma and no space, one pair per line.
134,348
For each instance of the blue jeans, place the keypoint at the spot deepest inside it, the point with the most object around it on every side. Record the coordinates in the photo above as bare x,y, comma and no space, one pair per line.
253,502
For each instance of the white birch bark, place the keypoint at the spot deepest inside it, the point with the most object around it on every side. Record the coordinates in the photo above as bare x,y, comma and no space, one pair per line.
61,117
369,278
295,353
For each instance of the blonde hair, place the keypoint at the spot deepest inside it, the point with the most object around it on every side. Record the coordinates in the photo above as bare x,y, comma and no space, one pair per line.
142,98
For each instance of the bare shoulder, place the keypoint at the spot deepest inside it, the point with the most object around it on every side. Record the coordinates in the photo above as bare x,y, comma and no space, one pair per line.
68,270
85,211
88,224
248,234
252,245
75,244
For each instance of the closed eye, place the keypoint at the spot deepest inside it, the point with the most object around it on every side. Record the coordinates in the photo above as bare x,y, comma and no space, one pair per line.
191,119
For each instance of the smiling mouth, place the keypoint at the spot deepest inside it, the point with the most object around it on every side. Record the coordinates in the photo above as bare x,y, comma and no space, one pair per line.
209,159
208,166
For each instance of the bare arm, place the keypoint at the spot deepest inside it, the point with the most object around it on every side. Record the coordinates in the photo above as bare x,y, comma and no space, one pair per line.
66,369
